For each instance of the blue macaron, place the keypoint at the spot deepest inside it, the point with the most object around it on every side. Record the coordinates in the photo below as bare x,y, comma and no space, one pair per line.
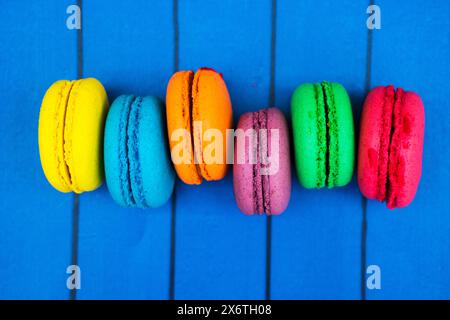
138,169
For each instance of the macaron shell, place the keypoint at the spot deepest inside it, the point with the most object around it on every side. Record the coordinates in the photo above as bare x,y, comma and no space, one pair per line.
153,175
51,135
342,138
280,177
178,102
212,109
83,134
371,127
309,134
115,151
405,162
374,139
243,168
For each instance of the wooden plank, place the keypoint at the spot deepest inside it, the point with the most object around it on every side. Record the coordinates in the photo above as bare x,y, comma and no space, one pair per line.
316,243
36,49
125,253
412,245
220,253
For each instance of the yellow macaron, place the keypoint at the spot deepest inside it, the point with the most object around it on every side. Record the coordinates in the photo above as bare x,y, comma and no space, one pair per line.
71,123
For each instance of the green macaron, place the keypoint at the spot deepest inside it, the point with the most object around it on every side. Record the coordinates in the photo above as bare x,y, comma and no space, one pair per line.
323,131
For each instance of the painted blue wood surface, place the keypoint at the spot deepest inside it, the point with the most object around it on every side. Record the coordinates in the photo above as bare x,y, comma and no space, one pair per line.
220,253
316,242
35,220
125,253
412,245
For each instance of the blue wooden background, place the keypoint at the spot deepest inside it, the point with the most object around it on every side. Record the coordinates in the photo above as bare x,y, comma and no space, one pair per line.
199,245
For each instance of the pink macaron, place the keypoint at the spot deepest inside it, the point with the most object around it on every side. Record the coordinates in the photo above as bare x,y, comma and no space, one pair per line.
262,170
390,146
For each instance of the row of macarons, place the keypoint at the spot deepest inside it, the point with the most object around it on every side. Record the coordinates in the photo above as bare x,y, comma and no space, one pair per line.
140,144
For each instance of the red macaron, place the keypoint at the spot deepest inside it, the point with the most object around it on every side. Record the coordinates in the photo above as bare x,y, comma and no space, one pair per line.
390,146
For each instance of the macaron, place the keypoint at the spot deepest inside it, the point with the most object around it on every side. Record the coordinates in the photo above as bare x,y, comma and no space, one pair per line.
323,133
198,107
390,145
70,134
137,165
261,169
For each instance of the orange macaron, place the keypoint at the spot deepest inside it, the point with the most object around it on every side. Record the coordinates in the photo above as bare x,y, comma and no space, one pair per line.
199,113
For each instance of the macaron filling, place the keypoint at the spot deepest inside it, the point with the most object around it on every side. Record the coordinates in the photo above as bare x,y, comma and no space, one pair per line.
331,163
261,183
322,143
190,103
67,135
385,137
202,167
327,159
390,177
61,137
188,122
396,167
134,163
68,128
196,135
